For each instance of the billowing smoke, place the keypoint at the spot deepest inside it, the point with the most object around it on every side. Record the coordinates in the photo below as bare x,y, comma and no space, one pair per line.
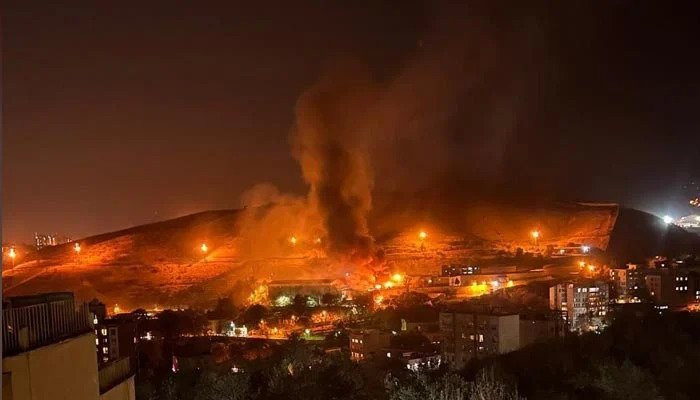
446,113
330,142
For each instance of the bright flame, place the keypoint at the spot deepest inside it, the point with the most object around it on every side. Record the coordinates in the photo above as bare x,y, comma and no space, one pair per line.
535,234
293,240
397,277
581,264
76,247
12,253
377,286
423,235
510,283
388,284
117,309
318,240
494,283
591,268
204,248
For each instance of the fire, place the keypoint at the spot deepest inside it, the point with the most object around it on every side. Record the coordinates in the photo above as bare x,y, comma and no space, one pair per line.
259,295
293,240
204,248
535,234
423,235
12,253
76,247
397,277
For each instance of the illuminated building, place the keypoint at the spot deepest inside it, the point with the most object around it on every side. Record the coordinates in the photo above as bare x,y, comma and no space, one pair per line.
627,279
42,240
458,270
671,286
582,305
468,335
415,361
367,343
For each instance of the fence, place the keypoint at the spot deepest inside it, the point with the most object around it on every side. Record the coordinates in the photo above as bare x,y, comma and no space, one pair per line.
29,327
113,373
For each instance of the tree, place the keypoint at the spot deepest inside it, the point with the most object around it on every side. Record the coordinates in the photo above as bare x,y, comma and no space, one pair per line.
625,382
253,314
487,387
329,298
225,386
448,387
299,304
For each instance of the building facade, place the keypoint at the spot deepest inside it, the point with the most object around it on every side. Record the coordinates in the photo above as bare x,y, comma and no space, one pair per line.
468,335
671,286
366,344
582,305
49,353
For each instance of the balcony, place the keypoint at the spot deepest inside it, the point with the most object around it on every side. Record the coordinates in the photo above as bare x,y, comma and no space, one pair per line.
34,321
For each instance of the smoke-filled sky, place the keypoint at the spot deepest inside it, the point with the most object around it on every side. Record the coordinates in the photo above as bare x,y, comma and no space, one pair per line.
120,114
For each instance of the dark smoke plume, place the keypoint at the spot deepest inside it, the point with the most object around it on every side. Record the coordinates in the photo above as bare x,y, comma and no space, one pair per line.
330,142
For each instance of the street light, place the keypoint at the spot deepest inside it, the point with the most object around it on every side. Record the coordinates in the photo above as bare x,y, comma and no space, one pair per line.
12,255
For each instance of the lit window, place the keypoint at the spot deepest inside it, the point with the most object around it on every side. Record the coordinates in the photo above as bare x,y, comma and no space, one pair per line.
105,350
104,332
97,342
388,355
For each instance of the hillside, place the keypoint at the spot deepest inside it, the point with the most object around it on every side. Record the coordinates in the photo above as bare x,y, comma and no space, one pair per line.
161,264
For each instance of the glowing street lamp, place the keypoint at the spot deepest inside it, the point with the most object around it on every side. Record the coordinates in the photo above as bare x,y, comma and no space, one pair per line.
12,255
204,248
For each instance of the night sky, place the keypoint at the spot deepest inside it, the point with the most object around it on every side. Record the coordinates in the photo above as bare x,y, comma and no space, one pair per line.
114,117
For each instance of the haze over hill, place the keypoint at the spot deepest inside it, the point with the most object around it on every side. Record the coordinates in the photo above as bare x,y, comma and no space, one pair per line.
162,264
